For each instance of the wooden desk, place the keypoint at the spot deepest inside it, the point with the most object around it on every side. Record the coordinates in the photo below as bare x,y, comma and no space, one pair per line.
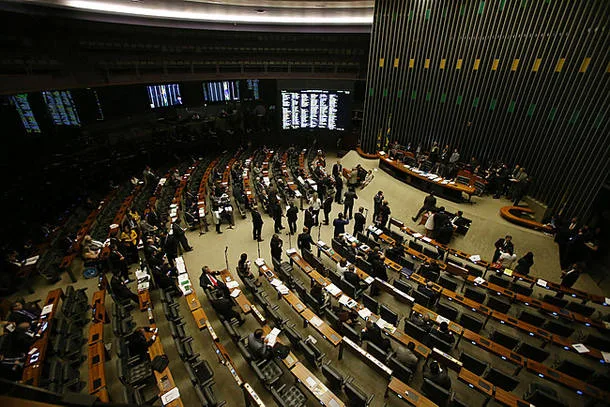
144,299
96,359
315,386
448,189
200,318
323,328
475,382
242,302
33,369
96,332
165,381
408,394
192,301
295,302
513,215
509,399
367,358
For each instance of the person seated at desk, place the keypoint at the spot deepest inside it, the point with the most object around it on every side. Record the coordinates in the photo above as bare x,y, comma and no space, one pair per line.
372,333
406,355
165,278
208,280
421,321
12,359
224,308
121,291
90,250
352,277
444,333
129,244
525,263
22,317
138,344
257,345
243,270
437,374
349,316
318,293
342,267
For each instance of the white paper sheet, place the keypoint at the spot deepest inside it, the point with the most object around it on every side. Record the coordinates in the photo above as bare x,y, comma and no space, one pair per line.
580,348
46,309
170,396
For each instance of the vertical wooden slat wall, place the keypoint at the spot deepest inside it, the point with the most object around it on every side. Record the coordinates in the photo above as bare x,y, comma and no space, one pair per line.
522,81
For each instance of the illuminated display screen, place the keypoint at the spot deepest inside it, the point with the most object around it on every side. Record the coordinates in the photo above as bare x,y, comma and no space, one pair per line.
223,91
315,109
164,95
24,110
61,107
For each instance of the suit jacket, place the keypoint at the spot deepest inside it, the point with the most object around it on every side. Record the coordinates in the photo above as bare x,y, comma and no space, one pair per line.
257,220
505,246
292,213
304,241
429,202
570,278
359,221
337,168
309,219
350,197
119,289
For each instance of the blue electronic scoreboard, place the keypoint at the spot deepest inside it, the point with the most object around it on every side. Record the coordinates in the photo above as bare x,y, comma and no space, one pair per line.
223,91
61,107
24,110
164,95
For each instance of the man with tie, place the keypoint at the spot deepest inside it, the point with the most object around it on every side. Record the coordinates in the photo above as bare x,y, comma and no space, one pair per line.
503,246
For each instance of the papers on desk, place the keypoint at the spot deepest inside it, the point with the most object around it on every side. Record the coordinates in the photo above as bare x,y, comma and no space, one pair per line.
31,260
369,280
344,299
508,272
333,403
364,248
426,239
444,182
607,301
143,286
474,258
541,283
271,338
479,280
180,265
170,396
232,284
282,289
291,251
333,290
311,382
235,293
580,348
606,356
322,245
275,282
46,309
364,313
297,193
259,262
316,321
142,275
437,179
417,235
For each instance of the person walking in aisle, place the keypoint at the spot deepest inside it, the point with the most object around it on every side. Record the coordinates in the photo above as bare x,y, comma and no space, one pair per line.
348,203
292,215
429,205
328,205
276,247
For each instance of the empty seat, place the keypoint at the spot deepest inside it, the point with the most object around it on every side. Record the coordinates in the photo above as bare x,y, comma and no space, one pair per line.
541,398
267,371
575,370
288,396
475,295
431,253
429,273
436,342
532,319
472,323
532,352
435,393
377,352
580,308
388,315
556,301
499,280
521,289
447,311
502,380
473,364
597,342
371,303
357,397
600,380
350,332
333,377
399,370
499,304
448,283
402,286
415,331
504,339
558,328
312,353
416,246
421,298
331,316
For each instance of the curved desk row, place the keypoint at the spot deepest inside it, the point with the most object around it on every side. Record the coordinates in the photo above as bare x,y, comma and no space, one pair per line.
513,215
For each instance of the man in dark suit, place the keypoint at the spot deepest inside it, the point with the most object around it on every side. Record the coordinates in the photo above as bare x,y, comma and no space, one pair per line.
503,246
437,374
224,307
351,277
304,241
339,225
291,215
337,169
359,221
377,202
180,235
569,277
384,214
372,333
429,204
338,188
257,224
138,344
348,203
327,206
121,291
170,247
310,218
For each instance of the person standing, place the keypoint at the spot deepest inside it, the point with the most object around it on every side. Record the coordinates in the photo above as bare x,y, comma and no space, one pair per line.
257,224
328,205
377,202
310,218
348,202
276,213
525,263
569,277
359,221
503,246
337,169
384,214
180,235
316,204
117,262
292,215
338,188
305,241
429,205
339,225
276,247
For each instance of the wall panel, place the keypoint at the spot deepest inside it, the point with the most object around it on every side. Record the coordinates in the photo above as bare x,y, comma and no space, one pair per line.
519,81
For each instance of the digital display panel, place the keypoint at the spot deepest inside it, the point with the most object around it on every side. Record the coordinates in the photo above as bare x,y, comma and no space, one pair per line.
61,107
222,91
316,109
24,110
252,88
164,95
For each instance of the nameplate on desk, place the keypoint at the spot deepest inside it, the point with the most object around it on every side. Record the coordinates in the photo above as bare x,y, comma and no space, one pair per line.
170,396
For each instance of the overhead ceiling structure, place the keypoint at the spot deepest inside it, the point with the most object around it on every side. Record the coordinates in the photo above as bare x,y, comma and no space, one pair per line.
252,15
